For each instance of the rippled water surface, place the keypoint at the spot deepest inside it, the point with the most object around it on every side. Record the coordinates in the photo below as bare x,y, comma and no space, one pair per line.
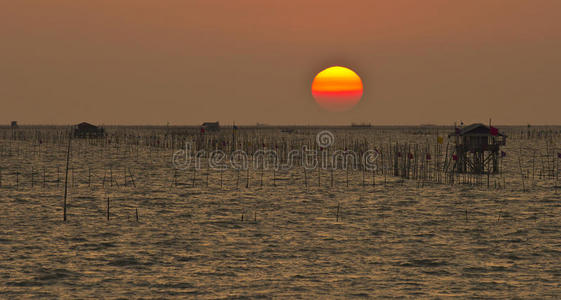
392,239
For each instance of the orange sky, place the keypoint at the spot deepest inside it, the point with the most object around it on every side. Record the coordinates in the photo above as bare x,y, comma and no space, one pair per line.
189,61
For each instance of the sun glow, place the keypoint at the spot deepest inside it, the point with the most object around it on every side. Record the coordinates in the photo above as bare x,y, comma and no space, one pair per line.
337,89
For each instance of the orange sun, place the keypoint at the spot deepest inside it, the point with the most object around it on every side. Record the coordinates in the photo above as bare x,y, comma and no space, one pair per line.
337,89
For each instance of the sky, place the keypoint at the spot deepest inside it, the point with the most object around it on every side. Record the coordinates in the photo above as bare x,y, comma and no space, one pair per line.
183,62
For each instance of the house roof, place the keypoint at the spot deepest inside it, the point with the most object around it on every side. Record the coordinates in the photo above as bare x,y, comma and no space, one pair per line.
85,125
476,129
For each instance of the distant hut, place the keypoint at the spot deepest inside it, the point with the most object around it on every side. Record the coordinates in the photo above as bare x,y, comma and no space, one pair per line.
87,130
287,130
477,148
211,126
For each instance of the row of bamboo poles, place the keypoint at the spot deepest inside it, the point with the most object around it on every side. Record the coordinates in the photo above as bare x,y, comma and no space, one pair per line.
425,163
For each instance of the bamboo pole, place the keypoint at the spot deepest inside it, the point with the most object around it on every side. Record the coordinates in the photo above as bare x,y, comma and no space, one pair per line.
132,178
66,176
337,214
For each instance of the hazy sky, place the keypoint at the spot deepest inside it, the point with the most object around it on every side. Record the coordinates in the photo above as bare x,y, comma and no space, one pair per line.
189,61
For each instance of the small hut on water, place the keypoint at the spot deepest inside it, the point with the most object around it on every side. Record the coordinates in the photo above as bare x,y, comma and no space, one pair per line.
477,148
87,130
211,126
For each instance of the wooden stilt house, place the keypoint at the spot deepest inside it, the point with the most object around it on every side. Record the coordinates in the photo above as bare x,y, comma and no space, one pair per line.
477,148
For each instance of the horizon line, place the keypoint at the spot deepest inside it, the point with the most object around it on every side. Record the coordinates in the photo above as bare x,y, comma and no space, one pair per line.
229,125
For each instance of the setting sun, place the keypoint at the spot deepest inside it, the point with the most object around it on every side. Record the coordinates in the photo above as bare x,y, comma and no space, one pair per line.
337,88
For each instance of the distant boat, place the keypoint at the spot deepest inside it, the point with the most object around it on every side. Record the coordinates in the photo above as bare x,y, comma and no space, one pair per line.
361,125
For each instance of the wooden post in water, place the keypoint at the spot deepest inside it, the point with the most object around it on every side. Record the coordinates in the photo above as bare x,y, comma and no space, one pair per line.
238,179
104,176
556,170
363,176
347,170
319,176
488,175
533,168
194,176
132,178
521,174
337,215
66,176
